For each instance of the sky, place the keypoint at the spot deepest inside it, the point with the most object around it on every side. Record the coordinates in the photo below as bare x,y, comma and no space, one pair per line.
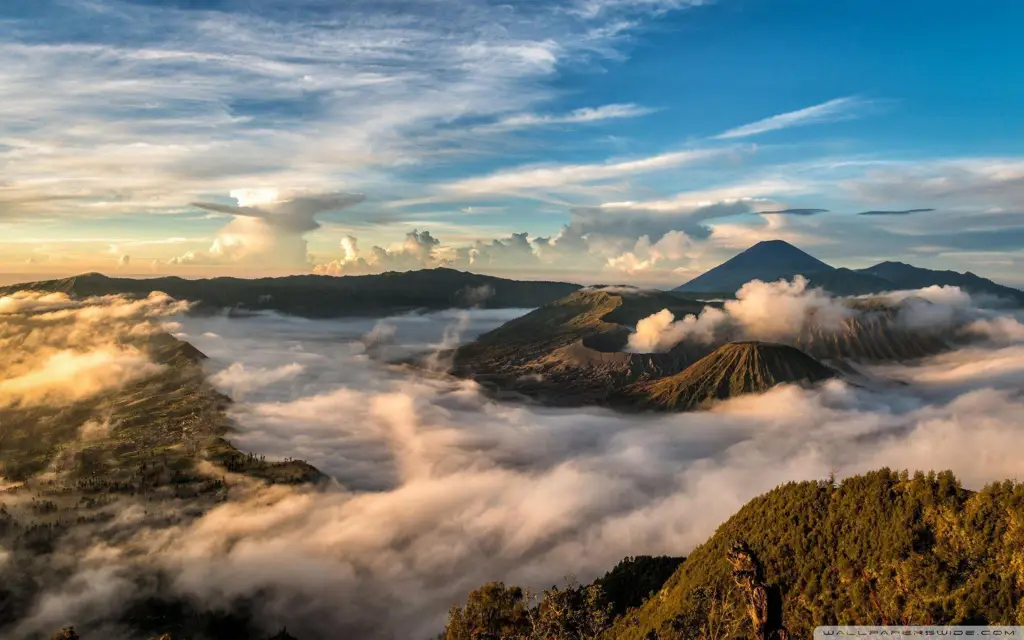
634,141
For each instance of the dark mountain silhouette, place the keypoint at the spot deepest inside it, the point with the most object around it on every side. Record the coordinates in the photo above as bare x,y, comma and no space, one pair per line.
315,296
771,260
905,276
767,261
735,369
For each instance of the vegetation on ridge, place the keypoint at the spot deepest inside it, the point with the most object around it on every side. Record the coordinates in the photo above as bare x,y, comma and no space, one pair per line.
885,547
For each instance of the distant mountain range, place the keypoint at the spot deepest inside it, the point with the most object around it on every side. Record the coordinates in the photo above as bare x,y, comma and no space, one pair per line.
315,296
774,259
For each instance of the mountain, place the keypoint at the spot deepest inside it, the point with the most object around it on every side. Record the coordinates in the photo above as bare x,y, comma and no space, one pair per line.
881,548
905,276
767,261
315,296
732,370
570,352
573,352
774,259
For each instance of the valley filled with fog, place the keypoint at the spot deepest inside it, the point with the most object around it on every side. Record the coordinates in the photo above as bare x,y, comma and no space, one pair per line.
436,487
442,489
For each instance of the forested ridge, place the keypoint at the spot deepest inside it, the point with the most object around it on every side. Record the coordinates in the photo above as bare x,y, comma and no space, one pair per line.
885,547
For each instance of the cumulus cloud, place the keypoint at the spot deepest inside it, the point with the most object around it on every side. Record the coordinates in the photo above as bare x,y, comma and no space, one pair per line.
648,239
443,488
266,231
418,251
761,311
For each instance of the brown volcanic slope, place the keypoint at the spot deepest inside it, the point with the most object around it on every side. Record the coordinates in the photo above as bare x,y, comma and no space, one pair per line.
569,352
873,335
735,369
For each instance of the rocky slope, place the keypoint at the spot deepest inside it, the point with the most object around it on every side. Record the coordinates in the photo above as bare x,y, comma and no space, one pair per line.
735,369
569,352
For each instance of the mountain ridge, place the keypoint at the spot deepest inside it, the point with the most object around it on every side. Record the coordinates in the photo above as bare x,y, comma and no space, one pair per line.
771,260
322,296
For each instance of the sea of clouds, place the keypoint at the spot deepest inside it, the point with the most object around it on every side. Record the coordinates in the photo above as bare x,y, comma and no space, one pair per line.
440,488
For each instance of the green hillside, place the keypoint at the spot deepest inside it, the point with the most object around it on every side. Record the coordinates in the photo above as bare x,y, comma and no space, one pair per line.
881,548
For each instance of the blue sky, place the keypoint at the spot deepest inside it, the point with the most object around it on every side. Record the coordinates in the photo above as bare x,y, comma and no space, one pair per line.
597,140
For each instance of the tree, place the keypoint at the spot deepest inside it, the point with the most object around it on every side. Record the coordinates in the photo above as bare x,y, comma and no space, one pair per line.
492,612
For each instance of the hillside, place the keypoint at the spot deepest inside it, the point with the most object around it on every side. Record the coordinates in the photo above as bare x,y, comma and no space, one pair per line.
569,352
315,296
732,370
155,448
880,548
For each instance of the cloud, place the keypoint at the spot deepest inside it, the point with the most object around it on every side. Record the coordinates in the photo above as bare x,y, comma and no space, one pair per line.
264,231
902,212
418,251
831,111
58,350
66,376
673,247
237,380
530,179
170,105
584,115
977,184
771,311
795,212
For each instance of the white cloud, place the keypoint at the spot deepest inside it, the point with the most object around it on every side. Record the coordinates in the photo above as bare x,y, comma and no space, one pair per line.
419,250
761,311
266,231
531,179
166,105
831,111
577,116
